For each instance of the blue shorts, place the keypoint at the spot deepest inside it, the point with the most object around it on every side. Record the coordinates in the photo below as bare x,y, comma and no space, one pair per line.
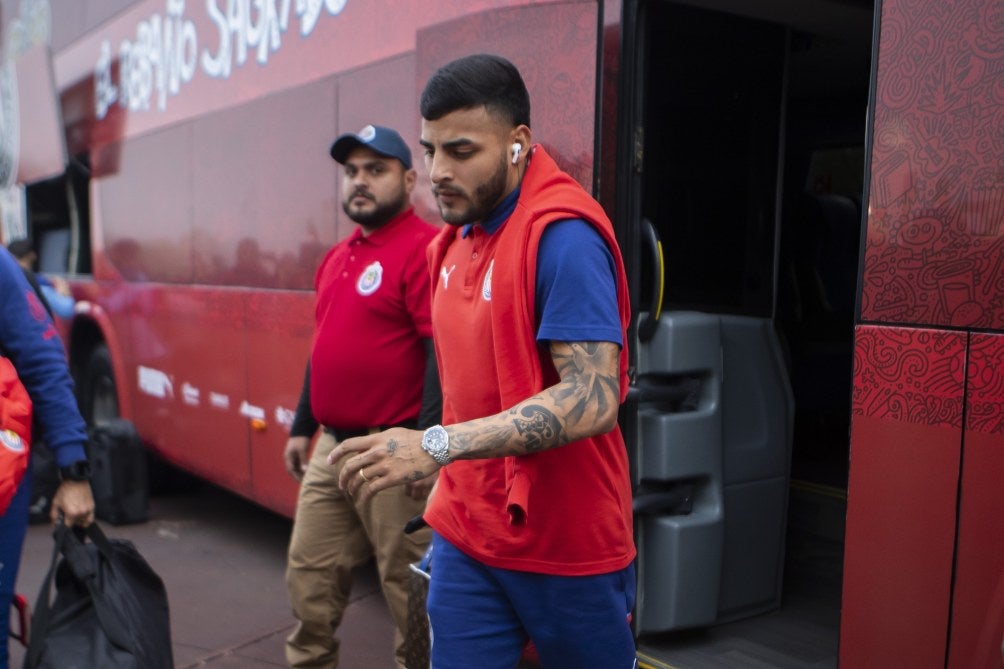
482,617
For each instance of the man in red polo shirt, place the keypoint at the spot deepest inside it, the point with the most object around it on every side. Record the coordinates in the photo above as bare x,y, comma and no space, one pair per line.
371,367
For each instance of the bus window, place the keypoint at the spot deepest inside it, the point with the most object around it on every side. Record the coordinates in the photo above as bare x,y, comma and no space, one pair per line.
711,156
58,218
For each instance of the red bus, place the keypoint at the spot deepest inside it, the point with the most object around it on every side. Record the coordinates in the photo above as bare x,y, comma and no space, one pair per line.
809,196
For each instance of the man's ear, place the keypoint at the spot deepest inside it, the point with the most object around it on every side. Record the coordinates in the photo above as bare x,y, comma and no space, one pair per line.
520,139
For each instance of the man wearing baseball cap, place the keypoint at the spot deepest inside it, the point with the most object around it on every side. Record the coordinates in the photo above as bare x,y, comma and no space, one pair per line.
371,366
378,139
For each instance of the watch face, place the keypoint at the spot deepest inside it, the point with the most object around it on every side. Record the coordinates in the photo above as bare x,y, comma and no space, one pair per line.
436,443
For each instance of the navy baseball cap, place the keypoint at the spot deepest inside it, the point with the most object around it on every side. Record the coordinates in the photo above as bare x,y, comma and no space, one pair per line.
383,140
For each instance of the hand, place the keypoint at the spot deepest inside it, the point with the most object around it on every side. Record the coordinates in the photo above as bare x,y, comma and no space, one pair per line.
387,459
419,490
60,285
74,501
295,456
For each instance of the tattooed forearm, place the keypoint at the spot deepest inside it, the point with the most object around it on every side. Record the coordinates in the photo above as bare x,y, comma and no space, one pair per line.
590,390
490,437
583,403
538,427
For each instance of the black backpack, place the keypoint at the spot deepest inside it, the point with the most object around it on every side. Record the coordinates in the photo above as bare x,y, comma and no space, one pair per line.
110,609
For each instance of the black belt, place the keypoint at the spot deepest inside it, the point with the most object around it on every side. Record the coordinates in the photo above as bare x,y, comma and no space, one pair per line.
342,435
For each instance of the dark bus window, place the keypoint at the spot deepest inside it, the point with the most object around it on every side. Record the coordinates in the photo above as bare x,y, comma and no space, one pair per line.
59,221
712,123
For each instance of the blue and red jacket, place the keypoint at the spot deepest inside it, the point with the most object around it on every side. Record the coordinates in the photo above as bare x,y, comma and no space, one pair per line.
30,340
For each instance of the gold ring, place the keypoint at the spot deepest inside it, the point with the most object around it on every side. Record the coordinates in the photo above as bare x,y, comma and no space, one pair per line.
363,475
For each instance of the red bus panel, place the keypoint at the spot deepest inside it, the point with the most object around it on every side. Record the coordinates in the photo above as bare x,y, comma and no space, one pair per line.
978,597
935,240
906,436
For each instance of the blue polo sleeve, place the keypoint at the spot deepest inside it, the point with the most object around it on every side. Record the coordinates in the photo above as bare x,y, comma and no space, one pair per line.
576,285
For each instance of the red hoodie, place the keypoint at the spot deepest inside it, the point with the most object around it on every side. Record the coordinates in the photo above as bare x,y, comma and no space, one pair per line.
566,510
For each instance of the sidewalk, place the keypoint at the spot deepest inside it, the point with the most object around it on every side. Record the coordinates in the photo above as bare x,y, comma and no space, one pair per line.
223,561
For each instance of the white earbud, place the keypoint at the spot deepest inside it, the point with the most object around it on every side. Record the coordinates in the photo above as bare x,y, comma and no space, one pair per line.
516,148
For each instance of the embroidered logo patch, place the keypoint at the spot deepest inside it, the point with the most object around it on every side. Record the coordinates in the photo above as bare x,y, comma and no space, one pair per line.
486,286
11,441
370,279
445,275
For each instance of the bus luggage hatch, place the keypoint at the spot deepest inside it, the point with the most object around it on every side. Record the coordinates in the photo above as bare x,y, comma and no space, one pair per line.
710,463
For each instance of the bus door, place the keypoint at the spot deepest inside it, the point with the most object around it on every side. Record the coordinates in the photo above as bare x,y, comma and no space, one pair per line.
741,161
711,411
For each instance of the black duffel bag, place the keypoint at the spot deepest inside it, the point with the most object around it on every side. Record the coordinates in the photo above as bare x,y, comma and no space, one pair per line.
110,609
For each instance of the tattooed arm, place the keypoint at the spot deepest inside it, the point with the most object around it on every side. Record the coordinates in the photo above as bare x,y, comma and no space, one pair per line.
584,402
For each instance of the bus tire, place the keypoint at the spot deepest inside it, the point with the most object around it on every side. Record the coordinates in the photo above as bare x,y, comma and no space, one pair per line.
99,404
99,396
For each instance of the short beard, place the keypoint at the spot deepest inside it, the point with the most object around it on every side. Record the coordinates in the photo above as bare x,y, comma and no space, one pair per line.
383,213
484,199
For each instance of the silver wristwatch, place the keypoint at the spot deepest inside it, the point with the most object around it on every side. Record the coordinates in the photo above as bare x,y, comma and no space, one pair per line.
436,443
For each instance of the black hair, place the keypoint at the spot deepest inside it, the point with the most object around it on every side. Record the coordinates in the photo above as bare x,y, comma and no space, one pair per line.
19,248
474,81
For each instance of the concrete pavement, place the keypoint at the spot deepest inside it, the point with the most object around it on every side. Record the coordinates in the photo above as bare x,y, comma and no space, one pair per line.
223,561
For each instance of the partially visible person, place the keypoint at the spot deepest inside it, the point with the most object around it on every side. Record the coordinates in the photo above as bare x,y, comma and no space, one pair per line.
371,366
532,510
55,290
54,294
29,339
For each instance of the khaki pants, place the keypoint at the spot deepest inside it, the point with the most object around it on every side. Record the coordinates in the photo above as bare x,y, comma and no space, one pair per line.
331,535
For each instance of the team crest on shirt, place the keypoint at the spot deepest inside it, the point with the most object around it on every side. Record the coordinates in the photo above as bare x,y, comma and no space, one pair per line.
11,441
486,286
370,279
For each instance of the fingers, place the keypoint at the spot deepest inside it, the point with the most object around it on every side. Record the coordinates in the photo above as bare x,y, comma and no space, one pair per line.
357,453
77,514
74,501
357,482
416,493
373,463
72,516
81,519
349,446
353,475
295,456
419,490
294,465
366,474
362,489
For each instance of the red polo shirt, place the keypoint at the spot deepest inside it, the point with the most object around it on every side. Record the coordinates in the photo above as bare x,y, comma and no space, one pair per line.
563,511
368,360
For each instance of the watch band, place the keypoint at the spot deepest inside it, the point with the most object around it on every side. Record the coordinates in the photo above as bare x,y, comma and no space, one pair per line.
76,471
436,442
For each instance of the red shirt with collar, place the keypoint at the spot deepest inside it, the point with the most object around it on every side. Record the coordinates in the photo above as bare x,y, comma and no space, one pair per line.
367,362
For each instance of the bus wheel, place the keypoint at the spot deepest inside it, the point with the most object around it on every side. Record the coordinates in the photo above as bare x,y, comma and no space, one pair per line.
100,402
